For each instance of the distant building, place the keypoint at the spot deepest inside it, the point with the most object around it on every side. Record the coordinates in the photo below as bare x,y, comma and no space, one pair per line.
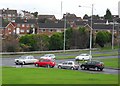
8,14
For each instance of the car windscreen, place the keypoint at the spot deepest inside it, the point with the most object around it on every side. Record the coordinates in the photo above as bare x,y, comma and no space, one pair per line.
22,57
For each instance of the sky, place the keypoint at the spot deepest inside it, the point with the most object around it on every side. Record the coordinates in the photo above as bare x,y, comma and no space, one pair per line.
54,7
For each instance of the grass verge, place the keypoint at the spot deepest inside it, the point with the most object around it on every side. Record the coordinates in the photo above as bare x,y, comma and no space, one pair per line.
54,76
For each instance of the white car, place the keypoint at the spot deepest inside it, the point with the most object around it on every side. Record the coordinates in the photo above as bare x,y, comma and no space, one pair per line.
83,57
25,60
48,56
69,65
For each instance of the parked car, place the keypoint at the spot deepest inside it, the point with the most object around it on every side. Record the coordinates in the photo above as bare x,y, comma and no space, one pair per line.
97,65
45,63
25,60
48,56
69,65
83,57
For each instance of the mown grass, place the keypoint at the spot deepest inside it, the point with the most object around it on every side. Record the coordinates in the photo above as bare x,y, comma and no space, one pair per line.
54,76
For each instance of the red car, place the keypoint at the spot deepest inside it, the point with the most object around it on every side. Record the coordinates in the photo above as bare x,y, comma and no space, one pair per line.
49,63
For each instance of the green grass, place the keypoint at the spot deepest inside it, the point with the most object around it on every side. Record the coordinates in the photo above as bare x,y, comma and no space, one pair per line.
111,62
54,76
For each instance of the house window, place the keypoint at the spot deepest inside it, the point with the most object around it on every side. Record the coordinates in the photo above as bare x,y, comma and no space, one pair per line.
23,25
9,15
9,32
9,28
27,25
51,30
43,30
18,25
58,30
32,25
22,31
27,31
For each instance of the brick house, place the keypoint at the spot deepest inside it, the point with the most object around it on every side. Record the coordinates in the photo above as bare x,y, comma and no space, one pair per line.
50,28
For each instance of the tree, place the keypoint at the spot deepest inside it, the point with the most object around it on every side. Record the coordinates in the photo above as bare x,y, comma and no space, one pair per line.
10,44
56,42
77,38
34,42
35,14
108,15
102,38
85,16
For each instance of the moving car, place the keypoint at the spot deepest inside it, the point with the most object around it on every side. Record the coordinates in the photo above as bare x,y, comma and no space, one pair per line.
25,60
69,65
83,57
97,65
45,63
48,56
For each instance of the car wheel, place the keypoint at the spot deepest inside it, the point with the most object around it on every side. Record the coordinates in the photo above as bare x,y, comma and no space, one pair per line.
101,69
83,67
17,63
96,68
72,68
59,67
23,63
87,68
36,65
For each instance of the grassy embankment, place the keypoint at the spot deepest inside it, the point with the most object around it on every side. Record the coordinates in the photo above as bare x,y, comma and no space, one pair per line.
54,76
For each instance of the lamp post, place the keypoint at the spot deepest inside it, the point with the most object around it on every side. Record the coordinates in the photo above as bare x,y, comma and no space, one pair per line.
90,28
64,31
113,34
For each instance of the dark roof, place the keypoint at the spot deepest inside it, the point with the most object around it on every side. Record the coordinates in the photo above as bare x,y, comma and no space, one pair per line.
45,16
53,25
81,23
102,26
27,21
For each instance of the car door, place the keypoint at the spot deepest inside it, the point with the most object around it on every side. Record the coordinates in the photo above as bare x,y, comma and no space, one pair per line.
64,65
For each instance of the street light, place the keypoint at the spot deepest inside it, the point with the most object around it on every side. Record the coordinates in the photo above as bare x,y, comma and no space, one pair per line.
113,34
91,26
64,31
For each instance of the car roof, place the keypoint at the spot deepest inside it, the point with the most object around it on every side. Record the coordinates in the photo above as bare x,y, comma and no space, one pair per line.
84,54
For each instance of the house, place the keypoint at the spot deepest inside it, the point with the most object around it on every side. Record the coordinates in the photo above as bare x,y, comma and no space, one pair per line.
48,17
8,14
53,27
23,26
71,18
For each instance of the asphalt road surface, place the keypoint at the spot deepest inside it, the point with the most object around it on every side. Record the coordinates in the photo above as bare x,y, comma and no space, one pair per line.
10,62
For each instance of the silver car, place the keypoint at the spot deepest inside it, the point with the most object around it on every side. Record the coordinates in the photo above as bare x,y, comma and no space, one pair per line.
69,65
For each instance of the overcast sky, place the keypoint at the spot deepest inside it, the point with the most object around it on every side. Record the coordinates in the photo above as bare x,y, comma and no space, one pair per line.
53,7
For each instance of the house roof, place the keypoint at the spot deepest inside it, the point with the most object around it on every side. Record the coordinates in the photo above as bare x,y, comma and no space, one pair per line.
53,25
46,16
27,21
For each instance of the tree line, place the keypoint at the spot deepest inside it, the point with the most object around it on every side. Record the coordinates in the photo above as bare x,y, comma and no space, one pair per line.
75,39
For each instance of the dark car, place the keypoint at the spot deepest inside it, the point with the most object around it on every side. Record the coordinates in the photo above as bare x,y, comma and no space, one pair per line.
45,63
97,65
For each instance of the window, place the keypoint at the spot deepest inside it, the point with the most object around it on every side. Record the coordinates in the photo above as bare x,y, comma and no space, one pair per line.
9,32
51,30
22,31
18,25
9,15
27,25
32,25
43,30
9,28
27,31
70,63
23,25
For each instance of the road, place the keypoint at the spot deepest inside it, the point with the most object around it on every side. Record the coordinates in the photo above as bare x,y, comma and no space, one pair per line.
10,62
